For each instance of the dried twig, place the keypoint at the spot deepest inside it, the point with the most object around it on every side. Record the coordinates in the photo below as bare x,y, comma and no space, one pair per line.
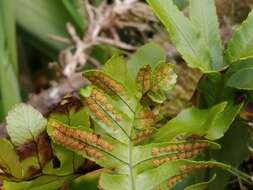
115,43
59,39
104,23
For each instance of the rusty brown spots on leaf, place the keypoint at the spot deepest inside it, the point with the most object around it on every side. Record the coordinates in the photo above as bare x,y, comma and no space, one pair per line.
144,135
183,147
175,179
178,151
106,83
79,139
143,79
103,110
146,119
98,112
185,169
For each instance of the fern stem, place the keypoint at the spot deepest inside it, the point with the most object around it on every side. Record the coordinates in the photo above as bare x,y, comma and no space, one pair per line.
130,145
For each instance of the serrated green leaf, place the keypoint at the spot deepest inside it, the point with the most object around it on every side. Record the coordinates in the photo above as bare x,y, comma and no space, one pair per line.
184,35
203,16
240,46
24,124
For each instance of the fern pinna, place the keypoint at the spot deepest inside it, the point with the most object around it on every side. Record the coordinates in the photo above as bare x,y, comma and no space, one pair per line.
123,133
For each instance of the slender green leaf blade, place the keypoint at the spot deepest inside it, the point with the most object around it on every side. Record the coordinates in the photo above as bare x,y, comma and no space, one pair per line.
8,18
244,64
42,18
241,44
211,123
203,16
183,34
9,87
76,10
222,121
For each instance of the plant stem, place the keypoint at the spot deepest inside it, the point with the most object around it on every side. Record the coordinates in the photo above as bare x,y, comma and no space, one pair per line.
130,163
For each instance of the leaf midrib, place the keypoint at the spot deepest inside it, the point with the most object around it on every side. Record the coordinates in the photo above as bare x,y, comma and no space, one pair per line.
130,164
130,143
130,155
